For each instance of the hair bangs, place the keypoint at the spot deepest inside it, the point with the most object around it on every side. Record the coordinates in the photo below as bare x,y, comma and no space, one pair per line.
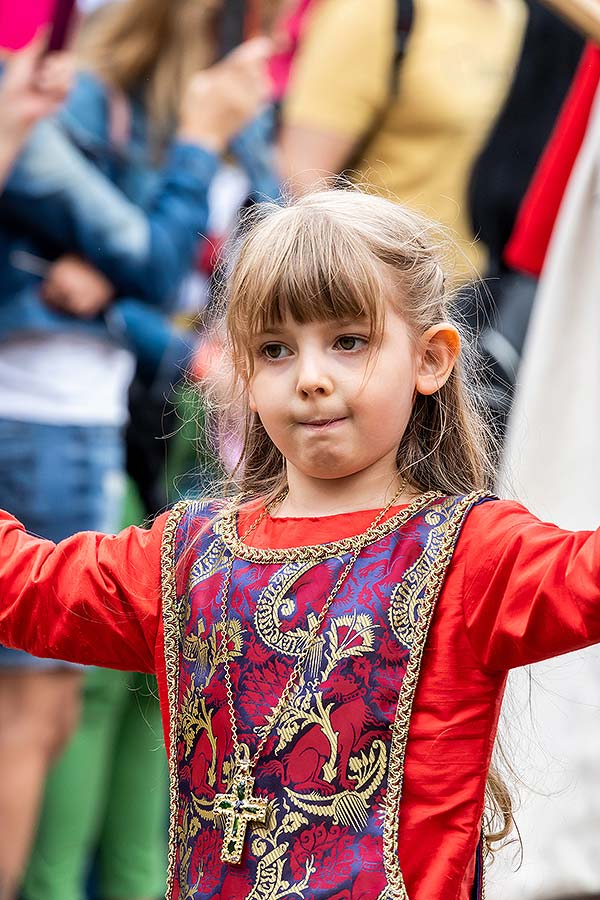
300,263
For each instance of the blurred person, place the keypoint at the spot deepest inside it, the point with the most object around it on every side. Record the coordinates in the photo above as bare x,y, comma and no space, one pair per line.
401,95
501,176
32,86
99,222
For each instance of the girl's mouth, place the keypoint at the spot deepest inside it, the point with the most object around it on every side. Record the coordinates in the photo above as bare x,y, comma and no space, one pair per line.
322,424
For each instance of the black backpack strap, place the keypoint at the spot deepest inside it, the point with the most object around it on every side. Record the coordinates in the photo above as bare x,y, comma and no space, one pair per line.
404,21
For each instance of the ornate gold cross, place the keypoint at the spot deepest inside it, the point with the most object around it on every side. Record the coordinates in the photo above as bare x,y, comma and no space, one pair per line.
237,809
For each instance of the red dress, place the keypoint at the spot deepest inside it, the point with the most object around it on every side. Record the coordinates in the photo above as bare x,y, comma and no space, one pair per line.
516,591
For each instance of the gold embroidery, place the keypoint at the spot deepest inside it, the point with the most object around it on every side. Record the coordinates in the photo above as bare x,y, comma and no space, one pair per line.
194,718
226,527
397,888
349,808
308,708
273,602
270,850
207,563
404,602
171,645
190,826
207,651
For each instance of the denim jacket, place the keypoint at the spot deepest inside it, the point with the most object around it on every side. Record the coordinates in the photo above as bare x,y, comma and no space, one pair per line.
73,190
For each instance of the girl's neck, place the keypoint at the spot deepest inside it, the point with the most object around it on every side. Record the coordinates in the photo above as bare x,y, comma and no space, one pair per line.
309,497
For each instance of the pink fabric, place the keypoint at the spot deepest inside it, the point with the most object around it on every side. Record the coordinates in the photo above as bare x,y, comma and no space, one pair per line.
289,31
20,21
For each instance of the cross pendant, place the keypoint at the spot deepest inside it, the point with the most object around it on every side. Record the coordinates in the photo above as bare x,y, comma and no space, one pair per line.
237,809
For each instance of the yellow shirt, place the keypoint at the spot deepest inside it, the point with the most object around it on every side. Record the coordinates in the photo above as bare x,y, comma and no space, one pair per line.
421,143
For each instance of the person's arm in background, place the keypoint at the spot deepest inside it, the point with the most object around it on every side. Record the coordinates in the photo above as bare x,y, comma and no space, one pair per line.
76,287
339,85
143,253
31,88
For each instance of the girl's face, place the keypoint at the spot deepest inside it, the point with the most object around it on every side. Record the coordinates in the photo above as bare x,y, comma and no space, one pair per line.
335,405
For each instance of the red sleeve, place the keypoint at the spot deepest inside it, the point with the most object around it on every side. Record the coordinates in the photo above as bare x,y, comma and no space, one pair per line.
91,599
531,590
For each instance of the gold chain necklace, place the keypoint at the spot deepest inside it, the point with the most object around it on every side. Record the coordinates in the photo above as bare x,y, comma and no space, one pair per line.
238,807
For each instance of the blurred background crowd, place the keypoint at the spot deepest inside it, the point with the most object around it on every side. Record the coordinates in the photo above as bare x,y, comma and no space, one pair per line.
126,158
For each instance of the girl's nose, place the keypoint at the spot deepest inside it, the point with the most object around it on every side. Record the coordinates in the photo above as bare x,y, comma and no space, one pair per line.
313,378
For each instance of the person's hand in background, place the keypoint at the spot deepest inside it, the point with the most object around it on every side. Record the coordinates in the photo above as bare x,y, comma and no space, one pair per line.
219,101
32,86
74,286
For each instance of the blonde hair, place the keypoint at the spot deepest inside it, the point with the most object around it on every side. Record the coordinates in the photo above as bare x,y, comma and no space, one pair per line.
342,254
154,47
151,47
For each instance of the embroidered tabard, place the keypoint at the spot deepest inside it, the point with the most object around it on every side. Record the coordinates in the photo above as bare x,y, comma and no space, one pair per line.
333,765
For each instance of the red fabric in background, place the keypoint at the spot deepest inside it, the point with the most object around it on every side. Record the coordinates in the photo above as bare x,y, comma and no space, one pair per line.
527,247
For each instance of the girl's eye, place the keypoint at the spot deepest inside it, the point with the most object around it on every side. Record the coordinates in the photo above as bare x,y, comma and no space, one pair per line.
351,342
275,351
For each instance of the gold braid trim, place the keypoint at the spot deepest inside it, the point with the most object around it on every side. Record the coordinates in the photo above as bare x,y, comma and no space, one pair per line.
171,648
226,528
396,889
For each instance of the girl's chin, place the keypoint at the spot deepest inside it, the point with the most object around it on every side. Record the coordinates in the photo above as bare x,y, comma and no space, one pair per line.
326,471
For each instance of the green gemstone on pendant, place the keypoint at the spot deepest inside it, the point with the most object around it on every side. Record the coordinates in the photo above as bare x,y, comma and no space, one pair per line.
238,809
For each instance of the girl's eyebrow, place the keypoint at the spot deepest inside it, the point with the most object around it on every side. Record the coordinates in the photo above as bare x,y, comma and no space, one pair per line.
278,330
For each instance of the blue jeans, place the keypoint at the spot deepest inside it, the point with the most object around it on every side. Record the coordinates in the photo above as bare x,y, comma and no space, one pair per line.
57,480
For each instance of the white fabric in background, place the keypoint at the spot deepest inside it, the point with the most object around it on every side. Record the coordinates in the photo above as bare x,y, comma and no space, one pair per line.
64,379
552,464
550,729
552,453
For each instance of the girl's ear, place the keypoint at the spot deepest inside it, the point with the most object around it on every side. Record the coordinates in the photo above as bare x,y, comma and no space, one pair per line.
251,402
440,347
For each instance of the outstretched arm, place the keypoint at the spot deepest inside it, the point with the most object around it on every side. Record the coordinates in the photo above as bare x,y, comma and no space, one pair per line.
92,599
531,589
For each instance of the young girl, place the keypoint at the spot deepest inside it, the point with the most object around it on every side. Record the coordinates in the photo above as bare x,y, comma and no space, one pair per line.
332,645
